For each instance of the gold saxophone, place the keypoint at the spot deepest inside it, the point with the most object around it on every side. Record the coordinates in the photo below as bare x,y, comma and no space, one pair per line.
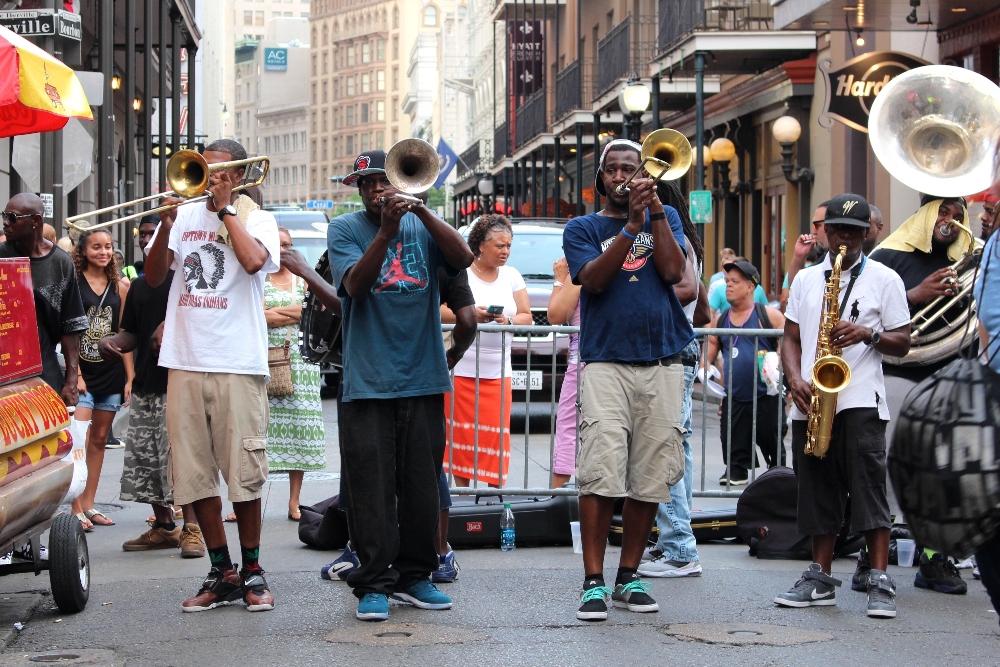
830,373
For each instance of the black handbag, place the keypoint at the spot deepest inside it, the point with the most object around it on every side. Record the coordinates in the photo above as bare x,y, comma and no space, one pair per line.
324,525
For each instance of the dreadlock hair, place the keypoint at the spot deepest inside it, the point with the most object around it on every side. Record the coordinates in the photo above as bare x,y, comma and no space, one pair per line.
482,227
80,257
671,196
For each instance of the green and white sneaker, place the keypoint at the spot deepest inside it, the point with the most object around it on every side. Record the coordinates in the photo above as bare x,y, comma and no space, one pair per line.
881,595
634,596
594,601
814,589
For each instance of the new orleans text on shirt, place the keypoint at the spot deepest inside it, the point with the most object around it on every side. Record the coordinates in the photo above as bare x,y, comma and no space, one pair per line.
636,257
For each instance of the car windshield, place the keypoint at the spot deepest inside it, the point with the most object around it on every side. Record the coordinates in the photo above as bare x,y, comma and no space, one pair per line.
310,247
533,254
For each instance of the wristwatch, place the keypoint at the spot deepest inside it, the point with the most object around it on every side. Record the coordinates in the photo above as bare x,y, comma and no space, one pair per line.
874,339
227,210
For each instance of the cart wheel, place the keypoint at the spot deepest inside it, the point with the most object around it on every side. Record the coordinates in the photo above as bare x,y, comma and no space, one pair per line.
69,564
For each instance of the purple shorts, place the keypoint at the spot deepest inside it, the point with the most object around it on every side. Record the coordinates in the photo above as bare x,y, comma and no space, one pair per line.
564,456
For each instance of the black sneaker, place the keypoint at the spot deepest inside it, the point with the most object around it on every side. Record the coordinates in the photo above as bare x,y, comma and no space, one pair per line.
634,596
220,588
594,601
939,574
859,582
881,595
737,477
814,589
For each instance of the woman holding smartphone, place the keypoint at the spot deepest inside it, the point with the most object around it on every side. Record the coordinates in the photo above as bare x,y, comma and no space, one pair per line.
501,298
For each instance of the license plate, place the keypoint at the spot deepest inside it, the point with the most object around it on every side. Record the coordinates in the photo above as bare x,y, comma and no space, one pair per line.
519,380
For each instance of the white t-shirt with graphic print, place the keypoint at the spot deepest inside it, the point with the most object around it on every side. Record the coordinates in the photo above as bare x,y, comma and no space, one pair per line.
878,301
500,292
215,315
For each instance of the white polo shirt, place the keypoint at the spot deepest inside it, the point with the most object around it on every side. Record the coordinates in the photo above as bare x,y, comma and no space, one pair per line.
878,301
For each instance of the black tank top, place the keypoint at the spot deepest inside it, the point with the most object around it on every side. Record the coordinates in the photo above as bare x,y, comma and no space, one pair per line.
102,377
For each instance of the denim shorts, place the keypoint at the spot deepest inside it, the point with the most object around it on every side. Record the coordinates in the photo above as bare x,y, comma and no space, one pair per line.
103,402
444,494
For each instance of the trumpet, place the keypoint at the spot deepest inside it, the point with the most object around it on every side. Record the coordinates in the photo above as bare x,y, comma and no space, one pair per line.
187,173
668,156
411,165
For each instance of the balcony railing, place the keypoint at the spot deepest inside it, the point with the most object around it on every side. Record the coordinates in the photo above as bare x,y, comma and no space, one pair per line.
501,142
626,49
679,18
468,161
530,118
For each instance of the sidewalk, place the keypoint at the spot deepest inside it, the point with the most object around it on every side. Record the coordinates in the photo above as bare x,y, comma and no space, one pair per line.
510,609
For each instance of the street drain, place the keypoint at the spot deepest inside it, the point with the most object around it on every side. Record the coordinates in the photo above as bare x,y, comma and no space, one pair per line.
403,634
746,634
55,657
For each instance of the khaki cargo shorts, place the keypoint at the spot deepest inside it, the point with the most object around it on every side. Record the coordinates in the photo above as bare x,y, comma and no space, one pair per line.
631,440
217,422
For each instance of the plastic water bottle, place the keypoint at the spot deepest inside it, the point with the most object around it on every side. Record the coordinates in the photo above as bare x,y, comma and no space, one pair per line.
507,529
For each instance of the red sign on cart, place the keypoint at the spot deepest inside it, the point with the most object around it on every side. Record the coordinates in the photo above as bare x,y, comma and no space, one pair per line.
19,353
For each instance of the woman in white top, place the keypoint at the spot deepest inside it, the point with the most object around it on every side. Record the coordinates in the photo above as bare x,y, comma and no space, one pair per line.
502,298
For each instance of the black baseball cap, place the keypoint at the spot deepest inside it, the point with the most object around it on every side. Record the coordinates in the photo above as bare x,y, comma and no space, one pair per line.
848,209
746,268
369,162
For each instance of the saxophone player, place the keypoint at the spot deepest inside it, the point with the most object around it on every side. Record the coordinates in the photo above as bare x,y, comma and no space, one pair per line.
874,320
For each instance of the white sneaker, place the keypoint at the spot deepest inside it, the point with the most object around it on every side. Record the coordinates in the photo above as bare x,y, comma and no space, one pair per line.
651,553
662,567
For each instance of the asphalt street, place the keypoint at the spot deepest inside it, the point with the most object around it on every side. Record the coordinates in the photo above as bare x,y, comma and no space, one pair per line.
510,608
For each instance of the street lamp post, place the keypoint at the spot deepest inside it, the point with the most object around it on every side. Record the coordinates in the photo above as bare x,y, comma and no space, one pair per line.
634,100
786,131
485,187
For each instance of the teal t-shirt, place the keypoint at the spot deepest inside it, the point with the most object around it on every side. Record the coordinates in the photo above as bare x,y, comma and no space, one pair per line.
392,337
717,299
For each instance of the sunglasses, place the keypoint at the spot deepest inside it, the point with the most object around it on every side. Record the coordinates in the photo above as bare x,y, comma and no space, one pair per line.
11,218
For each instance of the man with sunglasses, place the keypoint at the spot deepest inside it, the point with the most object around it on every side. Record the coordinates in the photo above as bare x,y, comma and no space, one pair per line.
874,321
58,307
809,249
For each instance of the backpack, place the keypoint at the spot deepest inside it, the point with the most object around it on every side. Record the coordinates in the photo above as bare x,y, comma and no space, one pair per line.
766,515
759,308
320,328
323,525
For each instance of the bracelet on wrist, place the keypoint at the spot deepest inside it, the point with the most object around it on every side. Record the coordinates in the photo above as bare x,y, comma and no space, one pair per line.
556,283
631,236
658,216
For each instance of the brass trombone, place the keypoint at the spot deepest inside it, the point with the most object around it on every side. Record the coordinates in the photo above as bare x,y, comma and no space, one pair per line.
666,155
411,165
187,173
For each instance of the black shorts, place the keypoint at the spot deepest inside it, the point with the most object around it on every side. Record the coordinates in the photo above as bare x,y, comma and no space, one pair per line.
853,467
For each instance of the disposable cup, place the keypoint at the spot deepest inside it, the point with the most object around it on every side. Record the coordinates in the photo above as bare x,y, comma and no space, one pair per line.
574,528
905,550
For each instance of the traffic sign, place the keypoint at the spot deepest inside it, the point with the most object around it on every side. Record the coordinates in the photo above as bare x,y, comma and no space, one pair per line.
324,204
701,206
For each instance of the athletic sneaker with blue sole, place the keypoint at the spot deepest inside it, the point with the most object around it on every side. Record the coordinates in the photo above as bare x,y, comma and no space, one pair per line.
447,571
423,595
373,607
341,567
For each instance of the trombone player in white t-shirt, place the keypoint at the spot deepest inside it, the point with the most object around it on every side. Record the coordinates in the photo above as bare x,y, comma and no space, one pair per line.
874,320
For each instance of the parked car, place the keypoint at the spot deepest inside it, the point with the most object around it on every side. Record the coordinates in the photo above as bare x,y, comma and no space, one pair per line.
537,244
296,219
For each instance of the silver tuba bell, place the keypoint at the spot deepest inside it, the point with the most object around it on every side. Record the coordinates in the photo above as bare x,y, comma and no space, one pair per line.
934,129
411,165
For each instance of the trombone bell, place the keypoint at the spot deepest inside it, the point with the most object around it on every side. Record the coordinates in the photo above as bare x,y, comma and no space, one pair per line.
666,155
411,165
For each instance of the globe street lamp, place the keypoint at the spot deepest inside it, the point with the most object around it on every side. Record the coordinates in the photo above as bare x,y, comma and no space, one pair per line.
786,131
634,100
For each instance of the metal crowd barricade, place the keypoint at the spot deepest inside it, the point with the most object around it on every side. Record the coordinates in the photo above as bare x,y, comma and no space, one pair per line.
523,335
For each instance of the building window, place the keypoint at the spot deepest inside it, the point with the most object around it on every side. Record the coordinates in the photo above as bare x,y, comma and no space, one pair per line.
350,56
285,143
313,152
395,135
302,142
313,125
314,64
350,145
430,15
350,86
267,145
364,142
248,17
295,141
302,174
380,80
395,110
239,120
284,175
395,48
324,120
326,61
366,83
364,113
313,93
395,18
366,52
380,111
380,50
350,116
379,139
324,150
312,176
258,18
395,78
324,93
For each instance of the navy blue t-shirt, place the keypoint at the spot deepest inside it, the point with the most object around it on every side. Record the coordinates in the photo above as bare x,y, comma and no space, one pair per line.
638,318
745,373
392,337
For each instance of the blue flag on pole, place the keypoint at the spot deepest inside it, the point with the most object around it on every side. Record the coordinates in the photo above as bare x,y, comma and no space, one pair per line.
446,162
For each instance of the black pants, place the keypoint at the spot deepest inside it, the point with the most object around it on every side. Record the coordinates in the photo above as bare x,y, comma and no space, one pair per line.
391,452
988,560
769,419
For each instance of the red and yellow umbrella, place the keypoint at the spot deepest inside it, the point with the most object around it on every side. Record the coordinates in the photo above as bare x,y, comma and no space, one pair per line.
37,92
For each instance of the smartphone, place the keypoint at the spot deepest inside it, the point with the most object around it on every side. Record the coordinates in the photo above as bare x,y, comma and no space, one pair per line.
495,310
